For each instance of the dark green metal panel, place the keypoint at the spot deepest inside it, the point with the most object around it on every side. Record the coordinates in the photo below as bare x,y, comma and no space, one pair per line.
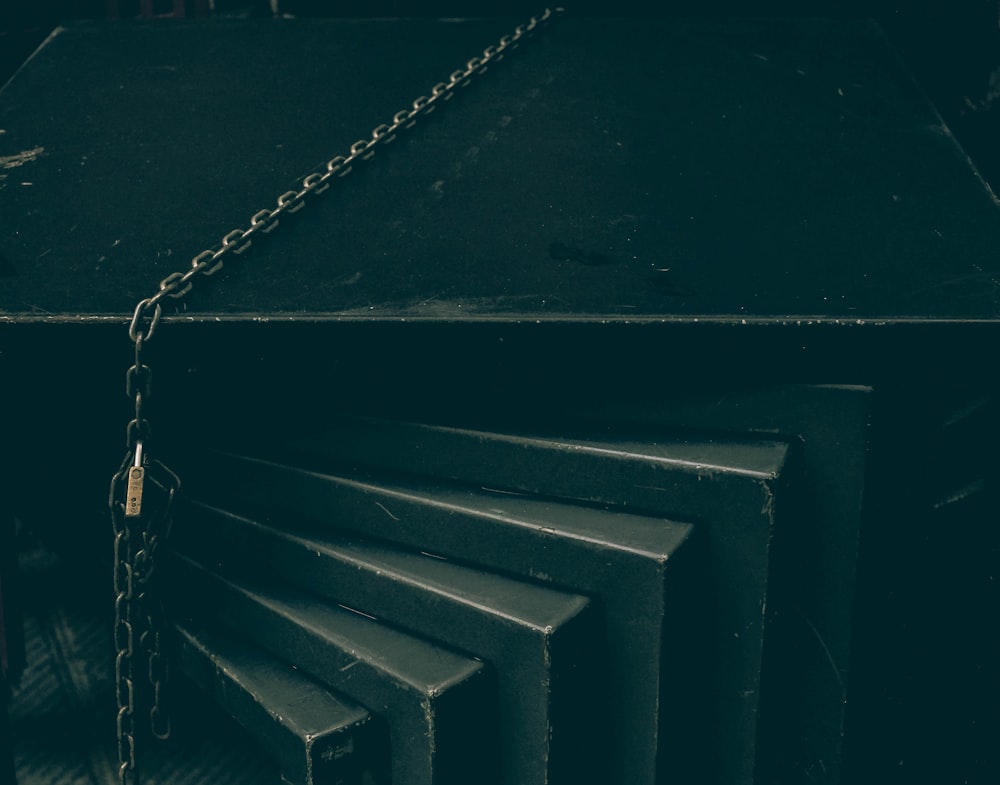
627,562
436,703
517,627
807,687
318,738
612,169
726,484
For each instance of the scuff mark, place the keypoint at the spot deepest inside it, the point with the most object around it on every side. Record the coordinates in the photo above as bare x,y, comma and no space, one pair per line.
767,509
35,308
501,490
961,494
20,159
826,651
386,510
991,97
964,412
355,610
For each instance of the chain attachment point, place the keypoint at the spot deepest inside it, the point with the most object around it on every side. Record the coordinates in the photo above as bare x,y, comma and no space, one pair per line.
136,329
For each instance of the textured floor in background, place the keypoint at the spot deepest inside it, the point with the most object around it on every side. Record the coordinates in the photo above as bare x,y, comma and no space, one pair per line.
63,714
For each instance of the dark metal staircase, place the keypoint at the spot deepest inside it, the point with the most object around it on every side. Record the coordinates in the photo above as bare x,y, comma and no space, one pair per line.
609,604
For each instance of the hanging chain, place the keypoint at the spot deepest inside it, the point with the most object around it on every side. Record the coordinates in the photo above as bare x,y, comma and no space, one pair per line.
124,585
142,491
141,497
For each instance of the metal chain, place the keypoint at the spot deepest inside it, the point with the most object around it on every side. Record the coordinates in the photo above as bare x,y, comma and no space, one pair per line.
149,606
137,532
138,389
138,616
147,313
124,632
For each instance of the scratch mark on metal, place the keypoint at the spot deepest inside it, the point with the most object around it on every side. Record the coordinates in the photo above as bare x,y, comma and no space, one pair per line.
355,610
501,490
386,510
962,493
826,650
20,159
964,412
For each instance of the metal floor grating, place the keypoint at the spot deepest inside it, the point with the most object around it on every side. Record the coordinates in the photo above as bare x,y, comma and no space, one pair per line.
62,712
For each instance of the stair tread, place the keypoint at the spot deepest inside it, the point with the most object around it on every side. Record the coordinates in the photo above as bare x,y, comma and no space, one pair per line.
437,703
526,605
314,734
604,516
538,640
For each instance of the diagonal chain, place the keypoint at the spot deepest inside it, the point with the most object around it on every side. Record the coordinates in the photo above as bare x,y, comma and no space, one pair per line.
148,311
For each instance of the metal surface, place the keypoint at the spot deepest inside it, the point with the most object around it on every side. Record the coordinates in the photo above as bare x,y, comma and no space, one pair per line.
634,565
319,739
812,691
435,702
543,645
725,170
728,485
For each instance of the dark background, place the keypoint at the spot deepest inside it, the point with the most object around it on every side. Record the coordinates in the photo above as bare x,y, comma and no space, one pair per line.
952,48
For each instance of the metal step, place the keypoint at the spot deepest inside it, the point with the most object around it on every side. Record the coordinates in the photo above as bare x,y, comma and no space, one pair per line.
541,643
316,737
726,485
811,588
552,509
634,566
438,706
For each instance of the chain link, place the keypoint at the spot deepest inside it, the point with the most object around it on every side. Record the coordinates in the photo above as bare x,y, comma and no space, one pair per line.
137,535
124,633
138,615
